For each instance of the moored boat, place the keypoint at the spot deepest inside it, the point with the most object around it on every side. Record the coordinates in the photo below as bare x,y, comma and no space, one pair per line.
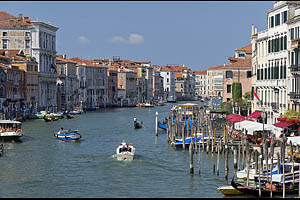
68,135
76,112
1,149
10,130
229,190
125,151
70,116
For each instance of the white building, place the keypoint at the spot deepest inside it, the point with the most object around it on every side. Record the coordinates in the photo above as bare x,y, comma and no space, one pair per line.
270,69
169,84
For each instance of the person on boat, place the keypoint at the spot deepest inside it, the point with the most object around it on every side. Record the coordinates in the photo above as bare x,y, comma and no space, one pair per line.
128,148
134,119
61,129
123,149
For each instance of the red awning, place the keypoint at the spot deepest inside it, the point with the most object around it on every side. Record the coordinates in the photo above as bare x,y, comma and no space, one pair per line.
283,124
255,115
232,118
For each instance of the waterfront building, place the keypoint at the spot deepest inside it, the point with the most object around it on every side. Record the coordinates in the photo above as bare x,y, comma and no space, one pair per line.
38,39
272,60
112,73
67,91
81,79
168,84
239,70
127,89
294,59
158,87
30,66
201,83
215,81
96,86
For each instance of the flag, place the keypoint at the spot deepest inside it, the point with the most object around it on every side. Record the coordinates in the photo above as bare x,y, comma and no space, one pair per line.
257,96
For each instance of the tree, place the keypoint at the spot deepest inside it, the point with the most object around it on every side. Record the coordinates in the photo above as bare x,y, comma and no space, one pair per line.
236,91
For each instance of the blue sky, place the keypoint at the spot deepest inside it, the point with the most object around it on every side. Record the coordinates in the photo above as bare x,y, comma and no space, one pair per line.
197,34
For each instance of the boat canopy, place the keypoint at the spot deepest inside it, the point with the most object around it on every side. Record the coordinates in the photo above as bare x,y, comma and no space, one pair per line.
295,140
251,126
9,122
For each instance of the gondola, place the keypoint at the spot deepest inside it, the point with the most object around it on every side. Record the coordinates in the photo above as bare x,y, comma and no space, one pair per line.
137,124
250,190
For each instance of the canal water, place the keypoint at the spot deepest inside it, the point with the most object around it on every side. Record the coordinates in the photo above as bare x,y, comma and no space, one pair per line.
42,166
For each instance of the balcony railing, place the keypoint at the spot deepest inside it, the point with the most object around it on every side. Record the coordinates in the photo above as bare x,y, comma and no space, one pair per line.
295,68
294,95
275,106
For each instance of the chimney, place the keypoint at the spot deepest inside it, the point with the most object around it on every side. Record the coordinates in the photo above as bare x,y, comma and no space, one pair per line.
64,56
252,30
224,64
20,17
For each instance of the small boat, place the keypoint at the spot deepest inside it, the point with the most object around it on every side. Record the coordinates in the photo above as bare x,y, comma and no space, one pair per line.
137,124
10,130
162,125
148,105
47,119
70,116
171,99
76,112
229,190
125,151
178,142
68,135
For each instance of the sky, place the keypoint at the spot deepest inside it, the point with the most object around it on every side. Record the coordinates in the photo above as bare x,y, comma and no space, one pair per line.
196,34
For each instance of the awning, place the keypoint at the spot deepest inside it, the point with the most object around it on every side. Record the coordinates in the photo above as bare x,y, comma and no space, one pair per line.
255,115
232,118
283,124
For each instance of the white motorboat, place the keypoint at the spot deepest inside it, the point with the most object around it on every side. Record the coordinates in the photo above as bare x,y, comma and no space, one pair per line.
125,151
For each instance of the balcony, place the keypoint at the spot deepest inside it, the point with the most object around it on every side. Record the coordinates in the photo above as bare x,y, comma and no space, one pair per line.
294,96
295,68
275,106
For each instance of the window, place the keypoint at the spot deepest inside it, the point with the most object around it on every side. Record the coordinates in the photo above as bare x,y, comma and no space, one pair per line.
277,19
272,21
228,74
27,34
4,34
292,33
27,44
228,88
4,44
284,17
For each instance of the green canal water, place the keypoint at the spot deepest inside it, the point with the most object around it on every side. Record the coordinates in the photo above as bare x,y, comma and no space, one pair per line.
42,166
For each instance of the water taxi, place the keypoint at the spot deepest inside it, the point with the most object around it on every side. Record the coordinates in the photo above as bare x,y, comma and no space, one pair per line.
10,130
125,151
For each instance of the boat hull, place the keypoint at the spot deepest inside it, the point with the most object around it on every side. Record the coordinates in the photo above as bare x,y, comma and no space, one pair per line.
229,190
128,157
68,136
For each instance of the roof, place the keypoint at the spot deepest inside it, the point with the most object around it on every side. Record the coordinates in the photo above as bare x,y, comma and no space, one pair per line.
247,49
8,20
203,72
240,62
64,60
216,68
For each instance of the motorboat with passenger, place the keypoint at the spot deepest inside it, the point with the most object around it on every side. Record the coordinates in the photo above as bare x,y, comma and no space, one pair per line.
67,135
125,151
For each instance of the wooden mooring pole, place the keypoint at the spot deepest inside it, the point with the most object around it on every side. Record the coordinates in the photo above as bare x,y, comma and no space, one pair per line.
191,151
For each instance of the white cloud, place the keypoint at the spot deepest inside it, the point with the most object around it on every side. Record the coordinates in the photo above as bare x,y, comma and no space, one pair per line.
133,38
83,40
